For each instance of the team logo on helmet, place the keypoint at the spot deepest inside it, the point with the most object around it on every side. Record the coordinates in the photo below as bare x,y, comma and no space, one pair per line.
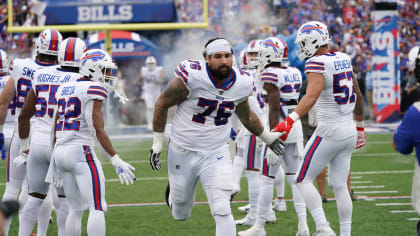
94,56
307,29
270,43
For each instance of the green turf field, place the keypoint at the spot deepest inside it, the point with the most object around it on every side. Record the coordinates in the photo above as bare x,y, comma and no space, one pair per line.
376,167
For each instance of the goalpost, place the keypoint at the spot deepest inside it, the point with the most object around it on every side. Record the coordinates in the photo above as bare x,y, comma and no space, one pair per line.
108,27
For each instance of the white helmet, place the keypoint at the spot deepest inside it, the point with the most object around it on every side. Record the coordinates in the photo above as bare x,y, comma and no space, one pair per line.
96,64
4,62
70,51
151,62
48,42
310,37
243,64
273,49
253,47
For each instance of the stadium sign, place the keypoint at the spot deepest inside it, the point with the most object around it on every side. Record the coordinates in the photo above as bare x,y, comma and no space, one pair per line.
62,12
386,76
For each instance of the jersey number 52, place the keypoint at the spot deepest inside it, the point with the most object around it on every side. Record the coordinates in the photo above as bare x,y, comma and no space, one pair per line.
343,88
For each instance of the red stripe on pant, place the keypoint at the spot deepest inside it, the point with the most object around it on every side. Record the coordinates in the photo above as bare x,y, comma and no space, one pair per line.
251,151
95,178
308,158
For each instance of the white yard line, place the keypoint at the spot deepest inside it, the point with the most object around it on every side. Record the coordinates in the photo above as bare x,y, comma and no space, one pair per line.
139,179
371,186
402,211
361,182
371,192
416,219
394,204
382,172
356,177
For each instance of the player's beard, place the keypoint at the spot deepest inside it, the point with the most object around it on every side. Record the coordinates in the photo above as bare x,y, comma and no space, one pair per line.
222,72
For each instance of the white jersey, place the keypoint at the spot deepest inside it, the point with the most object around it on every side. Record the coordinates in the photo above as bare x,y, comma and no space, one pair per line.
288,81
22,71
45,84
256,102
200,121
11,117
151,80
337,100
75,124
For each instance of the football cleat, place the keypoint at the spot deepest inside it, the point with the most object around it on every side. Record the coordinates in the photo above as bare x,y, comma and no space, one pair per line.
279,205
256,230
303,230
271,219
249,219
244,209
325,231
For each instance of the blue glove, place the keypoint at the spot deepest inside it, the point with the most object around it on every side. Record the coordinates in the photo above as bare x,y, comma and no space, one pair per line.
233,134
2,148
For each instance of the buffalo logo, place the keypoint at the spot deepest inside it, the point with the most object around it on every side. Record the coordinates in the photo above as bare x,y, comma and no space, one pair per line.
307,29
94,56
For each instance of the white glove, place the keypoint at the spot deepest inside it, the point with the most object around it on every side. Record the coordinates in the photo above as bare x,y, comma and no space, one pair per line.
20,159
272,139
156,150
124,170
272,158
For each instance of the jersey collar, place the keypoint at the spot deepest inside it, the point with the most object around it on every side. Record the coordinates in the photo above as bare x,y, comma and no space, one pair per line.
44,64
226,84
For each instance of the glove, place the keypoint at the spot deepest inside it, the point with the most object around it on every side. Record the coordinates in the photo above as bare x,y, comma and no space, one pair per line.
20,159
272,158
124,170
273,141
2,148
285,126
155,150
233,134
361,136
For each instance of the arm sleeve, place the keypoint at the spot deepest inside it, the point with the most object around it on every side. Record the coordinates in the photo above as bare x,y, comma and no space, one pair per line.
269,77
181,72
404,137
315,66
97,92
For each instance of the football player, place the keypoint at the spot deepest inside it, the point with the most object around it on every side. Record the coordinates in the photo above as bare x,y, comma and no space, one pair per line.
152,78
207,93
282,84
79,122
41,103
9,123
16,90
339,105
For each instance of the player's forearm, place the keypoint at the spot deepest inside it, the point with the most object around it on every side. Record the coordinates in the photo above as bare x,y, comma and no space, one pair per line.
3,112
274,116
105,142
24,126
251,122
358,112
305,105
159,118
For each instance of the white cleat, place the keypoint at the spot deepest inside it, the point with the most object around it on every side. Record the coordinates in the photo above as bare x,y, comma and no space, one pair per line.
303,230
249,219
253,231
325,231
279,205
244,209
271,219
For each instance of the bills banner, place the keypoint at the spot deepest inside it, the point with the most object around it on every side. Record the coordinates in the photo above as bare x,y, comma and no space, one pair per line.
386,78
